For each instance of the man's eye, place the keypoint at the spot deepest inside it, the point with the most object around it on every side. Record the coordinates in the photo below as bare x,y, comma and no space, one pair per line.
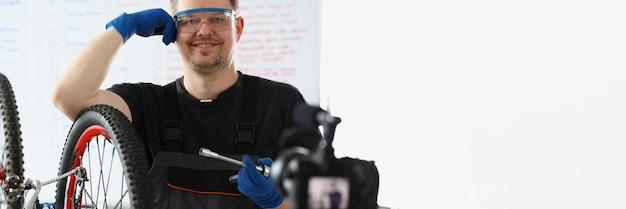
193,21
217,20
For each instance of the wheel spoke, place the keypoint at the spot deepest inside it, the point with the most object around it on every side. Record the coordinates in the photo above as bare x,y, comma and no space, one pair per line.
111,149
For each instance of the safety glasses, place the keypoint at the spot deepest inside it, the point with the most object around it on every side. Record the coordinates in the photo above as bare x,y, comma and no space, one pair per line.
218,19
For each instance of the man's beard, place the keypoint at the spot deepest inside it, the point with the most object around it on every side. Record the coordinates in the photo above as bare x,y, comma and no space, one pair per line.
203,66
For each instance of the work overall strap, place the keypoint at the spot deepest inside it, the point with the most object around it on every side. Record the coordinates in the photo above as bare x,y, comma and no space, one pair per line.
244,129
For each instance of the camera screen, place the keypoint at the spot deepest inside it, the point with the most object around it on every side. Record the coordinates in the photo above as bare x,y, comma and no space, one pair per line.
328,192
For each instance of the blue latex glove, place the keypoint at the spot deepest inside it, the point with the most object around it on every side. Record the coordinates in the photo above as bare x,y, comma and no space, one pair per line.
146,23
257,187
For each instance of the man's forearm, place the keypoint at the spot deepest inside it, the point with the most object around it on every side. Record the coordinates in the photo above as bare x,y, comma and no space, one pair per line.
84,75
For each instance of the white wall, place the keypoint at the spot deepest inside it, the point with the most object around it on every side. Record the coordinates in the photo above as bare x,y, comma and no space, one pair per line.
481,104
462,104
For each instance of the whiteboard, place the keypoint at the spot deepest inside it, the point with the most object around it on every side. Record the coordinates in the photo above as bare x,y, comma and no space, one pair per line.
38,39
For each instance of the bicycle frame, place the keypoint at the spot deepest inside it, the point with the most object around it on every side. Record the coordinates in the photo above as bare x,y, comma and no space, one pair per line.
30,189
30,199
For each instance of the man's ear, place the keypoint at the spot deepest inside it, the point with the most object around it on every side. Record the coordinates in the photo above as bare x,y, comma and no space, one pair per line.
239,27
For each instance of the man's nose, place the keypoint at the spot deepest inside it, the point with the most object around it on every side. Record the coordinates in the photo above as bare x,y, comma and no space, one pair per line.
205,28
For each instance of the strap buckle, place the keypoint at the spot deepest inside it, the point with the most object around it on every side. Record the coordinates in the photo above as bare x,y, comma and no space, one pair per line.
245,133
173,130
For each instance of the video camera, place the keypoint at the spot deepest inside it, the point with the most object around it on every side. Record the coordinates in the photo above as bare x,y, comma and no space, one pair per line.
316,178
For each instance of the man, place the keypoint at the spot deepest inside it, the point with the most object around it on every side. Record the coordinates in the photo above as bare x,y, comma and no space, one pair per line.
210,95
334,196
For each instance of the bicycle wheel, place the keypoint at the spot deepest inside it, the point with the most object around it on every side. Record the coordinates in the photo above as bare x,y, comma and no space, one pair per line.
12,157
113,167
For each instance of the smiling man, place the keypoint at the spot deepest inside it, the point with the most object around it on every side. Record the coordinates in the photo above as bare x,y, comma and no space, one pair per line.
215,106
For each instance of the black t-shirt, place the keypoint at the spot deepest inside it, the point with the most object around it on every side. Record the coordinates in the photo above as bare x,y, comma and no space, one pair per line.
211,124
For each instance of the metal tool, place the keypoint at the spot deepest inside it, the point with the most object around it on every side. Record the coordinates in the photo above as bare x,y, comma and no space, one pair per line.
265,170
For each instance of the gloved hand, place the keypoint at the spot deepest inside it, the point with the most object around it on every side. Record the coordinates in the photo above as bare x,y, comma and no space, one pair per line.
146,23
257,187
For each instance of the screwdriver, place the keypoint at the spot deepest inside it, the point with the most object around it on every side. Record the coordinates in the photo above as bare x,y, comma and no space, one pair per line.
265,170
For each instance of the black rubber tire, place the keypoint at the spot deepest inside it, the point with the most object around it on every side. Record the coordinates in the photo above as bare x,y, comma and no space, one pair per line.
103,126
12,156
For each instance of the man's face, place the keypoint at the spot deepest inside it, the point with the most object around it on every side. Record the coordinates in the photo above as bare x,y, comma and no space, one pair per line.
207,33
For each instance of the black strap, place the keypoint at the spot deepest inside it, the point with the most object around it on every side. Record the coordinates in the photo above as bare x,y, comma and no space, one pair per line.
244,130
172,124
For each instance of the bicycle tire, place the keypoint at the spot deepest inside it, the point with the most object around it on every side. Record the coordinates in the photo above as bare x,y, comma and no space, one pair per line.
12,156
100,126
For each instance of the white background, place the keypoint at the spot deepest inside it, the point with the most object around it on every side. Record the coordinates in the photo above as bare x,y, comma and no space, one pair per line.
462,104
482,104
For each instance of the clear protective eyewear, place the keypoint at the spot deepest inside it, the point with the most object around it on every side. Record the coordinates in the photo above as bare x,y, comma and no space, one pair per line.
218,19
